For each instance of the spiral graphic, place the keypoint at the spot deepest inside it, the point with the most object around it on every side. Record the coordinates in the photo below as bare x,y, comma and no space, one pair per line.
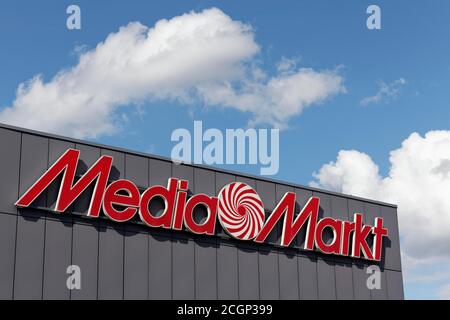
241,211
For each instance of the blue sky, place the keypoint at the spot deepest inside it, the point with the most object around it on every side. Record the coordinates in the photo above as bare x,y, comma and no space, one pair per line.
412,45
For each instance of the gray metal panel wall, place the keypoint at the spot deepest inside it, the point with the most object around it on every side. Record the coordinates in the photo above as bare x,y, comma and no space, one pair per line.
29,262
307,269
136,260
248,272
183,268
206,270
10,145
8,225
289,283
160,266
269,283
57,257
227,272
85,255
132,261
110,263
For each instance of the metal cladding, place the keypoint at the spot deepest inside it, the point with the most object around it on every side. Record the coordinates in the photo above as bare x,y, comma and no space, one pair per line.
140,226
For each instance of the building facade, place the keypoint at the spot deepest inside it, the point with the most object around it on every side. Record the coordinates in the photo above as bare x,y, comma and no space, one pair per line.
133,261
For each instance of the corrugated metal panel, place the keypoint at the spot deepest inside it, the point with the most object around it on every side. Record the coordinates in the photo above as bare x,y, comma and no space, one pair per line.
57,257
29,264
206,269
85,255
7,252
183,269
142,262
227,272
136,263
10,144
248,268
110,263
160,266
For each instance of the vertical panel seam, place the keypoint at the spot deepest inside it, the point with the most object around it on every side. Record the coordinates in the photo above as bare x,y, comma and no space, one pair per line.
148,237
239,273
171,250
71,251
317,278
98,258
17,218
298,277
123,233
45,227
217,242
194,245
259,279
123,262
279,278
148,266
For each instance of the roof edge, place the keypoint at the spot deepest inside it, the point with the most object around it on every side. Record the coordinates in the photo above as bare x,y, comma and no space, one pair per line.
201,166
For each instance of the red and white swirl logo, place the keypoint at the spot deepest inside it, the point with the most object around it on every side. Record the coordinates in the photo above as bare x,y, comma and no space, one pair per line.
241,211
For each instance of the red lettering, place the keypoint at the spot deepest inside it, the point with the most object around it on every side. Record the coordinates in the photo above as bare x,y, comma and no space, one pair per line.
360,238
130,200
68,191
336,227
349,227
181,203
207,227
286,205
379,232
168,196
291,229
121,200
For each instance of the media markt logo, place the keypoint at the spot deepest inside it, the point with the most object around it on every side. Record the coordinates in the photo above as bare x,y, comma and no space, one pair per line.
241,211
238,207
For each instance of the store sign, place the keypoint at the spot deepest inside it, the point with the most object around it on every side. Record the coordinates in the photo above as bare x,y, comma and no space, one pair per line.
238,207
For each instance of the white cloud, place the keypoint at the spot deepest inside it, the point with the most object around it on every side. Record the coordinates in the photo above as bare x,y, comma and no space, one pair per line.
203,57
286,64
280,98
347,174
418,181
386,92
